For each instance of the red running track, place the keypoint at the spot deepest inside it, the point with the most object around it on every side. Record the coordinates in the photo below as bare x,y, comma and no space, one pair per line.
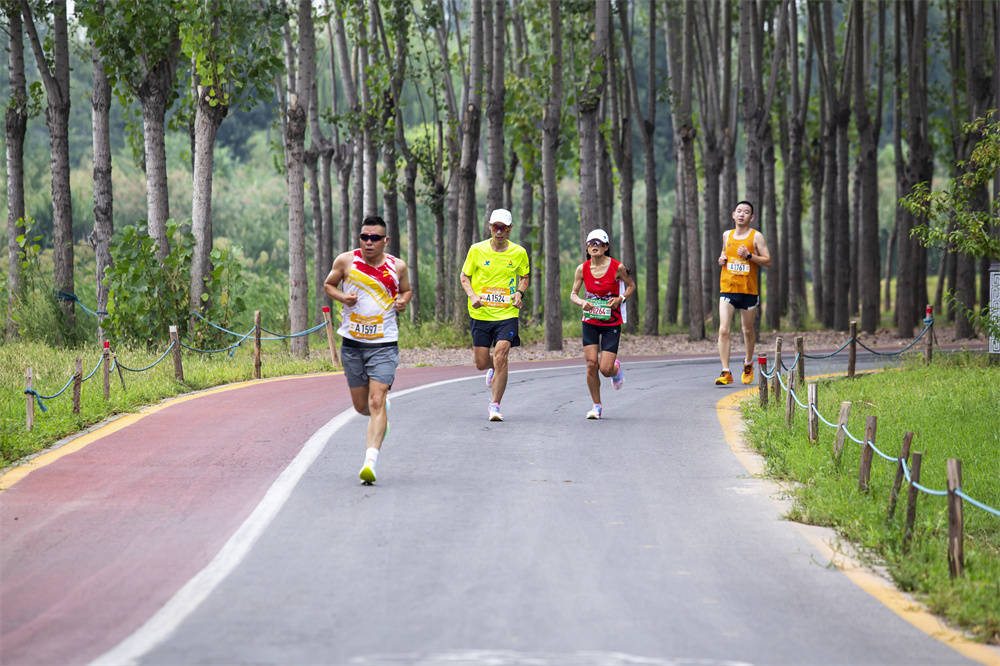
95,543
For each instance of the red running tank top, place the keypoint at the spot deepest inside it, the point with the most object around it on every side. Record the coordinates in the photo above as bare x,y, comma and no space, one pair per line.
604,287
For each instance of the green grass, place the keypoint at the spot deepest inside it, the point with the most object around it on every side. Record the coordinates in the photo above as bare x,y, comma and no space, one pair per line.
52,367
951,407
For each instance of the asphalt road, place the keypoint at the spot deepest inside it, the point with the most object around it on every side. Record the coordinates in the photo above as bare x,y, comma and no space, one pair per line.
546,539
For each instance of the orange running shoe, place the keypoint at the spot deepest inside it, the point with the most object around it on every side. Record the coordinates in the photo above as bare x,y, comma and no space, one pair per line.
725,378
747,377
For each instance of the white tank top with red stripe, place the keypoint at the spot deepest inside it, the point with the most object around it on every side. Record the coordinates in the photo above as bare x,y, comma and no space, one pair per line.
373,318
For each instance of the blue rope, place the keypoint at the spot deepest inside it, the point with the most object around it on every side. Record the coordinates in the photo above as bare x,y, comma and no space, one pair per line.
909,479
958,491
831,353
38,398
896,353
66,296
816,412
151,365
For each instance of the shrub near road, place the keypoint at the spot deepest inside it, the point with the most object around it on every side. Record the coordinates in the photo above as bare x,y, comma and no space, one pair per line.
951,407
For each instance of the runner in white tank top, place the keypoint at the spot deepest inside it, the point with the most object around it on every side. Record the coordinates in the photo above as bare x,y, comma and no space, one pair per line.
373,287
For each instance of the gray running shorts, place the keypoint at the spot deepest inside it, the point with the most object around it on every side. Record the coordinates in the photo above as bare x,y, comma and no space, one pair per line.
362,364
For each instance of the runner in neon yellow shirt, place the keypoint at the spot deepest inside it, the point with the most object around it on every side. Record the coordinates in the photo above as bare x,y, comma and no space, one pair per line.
495,277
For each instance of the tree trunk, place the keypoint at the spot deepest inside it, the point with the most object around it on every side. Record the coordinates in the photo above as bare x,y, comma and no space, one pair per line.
681,66
622,150
16,127
816,161
468,220
551,132
207,120
868,237
298,295
588,106
412,236
104,221
772,306
311,159
495,95
57,95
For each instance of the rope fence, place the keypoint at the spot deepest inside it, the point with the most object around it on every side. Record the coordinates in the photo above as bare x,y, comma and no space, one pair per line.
908,468
109,360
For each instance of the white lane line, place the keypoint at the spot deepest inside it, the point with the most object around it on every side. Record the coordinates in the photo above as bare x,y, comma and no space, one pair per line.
186,600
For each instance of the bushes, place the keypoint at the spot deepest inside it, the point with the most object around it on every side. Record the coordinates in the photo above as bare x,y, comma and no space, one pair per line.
146,294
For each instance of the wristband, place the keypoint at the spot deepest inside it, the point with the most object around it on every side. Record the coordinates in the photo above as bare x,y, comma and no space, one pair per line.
518,291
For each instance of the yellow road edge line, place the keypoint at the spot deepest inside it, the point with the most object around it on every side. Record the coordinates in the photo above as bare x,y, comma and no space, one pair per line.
74,443
900,603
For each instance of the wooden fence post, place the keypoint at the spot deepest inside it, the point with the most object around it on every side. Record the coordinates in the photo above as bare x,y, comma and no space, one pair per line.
762,380
852,350
178,368
904,455
790,399
813,420
865,468
911,499
329,335
29,400
77,383
929,351
256,344
956,555
107,369
838,439
775,381
800,351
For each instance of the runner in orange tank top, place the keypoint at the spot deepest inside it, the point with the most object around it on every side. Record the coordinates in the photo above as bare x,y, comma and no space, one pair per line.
744,251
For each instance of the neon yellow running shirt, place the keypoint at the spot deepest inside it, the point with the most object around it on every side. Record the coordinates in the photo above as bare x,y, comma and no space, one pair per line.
494,277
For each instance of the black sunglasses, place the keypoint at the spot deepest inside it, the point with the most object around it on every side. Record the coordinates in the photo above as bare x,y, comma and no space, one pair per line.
372,237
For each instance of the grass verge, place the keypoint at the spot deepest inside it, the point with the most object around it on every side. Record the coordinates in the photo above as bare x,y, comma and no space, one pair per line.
951,406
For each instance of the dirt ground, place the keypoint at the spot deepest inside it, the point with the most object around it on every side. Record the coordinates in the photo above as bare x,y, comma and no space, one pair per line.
678,344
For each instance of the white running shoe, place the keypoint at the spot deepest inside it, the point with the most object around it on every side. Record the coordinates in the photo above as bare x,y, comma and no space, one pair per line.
619,379
489,377
494,410
594,413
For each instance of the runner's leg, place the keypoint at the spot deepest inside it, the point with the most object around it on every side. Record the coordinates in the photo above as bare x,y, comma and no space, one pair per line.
593,380
500,353
726,311
482,358
376,407
359,396
749,339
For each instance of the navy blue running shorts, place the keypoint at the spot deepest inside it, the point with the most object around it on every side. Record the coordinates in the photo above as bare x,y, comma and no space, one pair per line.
488,333
740,301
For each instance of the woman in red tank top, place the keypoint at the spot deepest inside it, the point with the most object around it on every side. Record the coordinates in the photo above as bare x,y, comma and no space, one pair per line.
606,284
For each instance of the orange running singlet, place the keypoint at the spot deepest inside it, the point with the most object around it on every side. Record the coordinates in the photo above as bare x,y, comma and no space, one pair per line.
738,276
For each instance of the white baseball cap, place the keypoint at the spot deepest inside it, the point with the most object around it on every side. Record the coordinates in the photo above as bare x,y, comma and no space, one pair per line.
598,234
501,216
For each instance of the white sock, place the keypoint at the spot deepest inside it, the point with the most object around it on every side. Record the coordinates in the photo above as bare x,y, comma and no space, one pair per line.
371,457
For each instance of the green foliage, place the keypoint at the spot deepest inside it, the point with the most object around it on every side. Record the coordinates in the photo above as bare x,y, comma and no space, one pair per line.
35,310
958,217
146,295
951,407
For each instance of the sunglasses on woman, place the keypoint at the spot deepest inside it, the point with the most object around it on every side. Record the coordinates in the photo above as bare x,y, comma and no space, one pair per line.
374,238
594,243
